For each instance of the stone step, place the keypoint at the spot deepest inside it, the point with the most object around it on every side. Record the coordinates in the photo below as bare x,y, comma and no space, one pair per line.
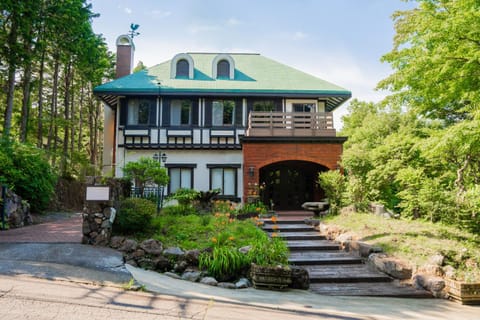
345,274
308,235
288,228
282,221
387,289
300,245
323,258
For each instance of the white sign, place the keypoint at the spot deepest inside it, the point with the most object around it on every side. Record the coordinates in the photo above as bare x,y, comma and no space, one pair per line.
98,193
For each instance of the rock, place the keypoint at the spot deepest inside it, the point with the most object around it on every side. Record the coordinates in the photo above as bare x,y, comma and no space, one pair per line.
152,247
300,278
138,254
344,237
361,248
431,283
146,263
191,276
209,280
17,210
116,242
391,266
129,245
449,272
245,249
242,283
132,262
312,222
226,285
437,259
173,252
431,269
192,256
180,266
172,275
162,264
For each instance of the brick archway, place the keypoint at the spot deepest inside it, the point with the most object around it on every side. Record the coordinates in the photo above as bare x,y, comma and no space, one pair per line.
261,152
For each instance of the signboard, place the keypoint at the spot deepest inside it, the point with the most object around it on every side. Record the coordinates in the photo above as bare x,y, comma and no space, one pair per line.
98,194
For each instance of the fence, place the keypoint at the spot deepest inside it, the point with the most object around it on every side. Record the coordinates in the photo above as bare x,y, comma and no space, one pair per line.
151,193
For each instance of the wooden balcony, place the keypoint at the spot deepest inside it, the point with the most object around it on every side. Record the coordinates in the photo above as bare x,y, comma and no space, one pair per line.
290,124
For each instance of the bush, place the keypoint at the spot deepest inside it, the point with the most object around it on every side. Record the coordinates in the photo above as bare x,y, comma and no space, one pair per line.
184,196
27,172
179,210
269,252
333,183
134,216
224,263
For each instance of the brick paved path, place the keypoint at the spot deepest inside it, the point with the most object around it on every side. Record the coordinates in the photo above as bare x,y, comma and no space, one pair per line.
63,230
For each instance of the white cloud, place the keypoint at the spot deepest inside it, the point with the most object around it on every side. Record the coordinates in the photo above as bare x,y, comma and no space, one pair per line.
127,10
299,35
233,22
195,29
160,13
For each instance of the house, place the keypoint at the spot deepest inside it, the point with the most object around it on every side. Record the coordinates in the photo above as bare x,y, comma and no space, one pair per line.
234,121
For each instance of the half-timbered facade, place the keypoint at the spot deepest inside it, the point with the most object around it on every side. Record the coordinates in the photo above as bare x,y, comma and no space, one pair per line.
228,121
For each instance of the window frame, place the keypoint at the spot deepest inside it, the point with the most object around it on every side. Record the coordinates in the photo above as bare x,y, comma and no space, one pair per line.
183,168
234,168
224,70
215,103
133,106
190,112
185,70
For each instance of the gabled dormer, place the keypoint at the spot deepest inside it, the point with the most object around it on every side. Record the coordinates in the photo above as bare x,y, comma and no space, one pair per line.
223,67
182,67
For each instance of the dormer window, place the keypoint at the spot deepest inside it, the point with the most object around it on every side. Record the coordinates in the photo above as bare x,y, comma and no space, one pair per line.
223,67
182,67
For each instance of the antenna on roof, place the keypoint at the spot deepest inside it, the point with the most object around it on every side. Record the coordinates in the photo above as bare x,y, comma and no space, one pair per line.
133,30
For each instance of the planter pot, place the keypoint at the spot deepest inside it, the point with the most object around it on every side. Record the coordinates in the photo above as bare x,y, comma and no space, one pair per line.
466,293
273,278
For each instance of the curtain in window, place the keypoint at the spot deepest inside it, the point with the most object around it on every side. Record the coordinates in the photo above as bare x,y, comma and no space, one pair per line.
229,182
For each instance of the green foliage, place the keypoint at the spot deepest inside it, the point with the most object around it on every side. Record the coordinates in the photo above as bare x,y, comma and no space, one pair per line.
267,251
333,183
26,171
257,208
134,216
185,197
146,170
224,262
179,210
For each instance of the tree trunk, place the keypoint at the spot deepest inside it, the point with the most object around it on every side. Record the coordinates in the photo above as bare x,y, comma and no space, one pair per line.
80,120
40,101
66,102
53,106
27,79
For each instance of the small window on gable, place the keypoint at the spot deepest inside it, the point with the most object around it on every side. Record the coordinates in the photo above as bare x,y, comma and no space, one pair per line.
223,69
182,68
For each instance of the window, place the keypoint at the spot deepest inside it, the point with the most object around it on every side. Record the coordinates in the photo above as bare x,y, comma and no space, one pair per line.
223,112
180,177
138,112
223,69
264,106
181,112
303,107
182,68
224,179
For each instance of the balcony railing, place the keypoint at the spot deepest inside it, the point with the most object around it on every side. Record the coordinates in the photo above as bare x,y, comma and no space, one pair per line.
290,124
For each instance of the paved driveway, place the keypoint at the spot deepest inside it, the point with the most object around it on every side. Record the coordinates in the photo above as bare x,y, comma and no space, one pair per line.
66,230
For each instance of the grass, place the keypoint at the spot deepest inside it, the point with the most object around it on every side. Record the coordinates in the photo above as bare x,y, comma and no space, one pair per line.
416,241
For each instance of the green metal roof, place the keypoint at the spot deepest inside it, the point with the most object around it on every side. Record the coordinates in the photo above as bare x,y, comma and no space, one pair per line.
255,75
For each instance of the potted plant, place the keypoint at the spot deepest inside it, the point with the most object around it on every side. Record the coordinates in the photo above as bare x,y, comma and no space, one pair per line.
270,268
464,287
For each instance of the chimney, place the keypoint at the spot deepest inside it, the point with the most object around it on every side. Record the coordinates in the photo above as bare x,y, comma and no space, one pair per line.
125,50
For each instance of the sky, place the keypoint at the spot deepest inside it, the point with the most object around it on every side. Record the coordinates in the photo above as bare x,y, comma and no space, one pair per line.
340,41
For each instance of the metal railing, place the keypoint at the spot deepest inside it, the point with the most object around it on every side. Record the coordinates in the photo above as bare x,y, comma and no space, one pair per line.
151,193
272,124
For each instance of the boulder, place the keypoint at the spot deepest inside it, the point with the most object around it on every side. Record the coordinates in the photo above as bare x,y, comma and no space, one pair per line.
129,245
300,278
17,210
152,247
437,259
391,266
191,256
116,242
146,263
180,266
162,264
431,269
243,283
344,237
226,285
209,280
431,283
449,272
172,275
191,276
174,253
361,248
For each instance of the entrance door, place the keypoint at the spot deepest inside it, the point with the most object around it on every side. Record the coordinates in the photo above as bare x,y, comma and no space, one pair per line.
288,184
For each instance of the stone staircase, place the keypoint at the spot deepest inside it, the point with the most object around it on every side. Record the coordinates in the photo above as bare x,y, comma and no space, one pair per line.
333,271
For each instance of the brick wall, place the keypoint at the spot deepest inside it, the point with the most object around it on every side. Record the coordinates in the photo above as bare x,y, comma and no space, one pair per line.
260,154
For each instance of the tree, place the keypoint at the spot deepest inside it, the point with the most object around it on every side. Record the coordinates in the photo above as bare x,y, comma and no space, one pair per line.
139,67
145,171
436,59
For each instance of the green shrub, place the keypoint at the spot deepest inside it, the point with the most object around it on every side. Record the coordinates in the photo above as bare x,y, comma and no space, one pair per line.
333,183
27,172
268,252
182,210
185,196
134,216
224,262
